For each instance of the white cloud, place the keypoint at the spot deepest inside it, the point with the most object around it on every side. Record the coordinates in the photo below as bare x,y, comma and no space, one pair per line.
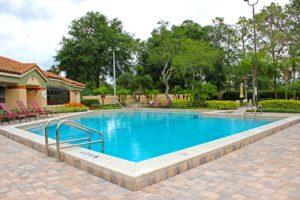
32,29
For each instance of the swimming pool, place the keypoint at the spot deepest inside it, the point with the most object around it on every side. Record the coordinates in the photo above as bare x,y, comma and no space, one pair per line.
141,135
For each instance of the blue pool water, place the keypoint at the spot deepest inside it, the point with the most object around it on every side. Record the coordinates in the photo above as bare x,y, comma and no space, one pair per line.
137,136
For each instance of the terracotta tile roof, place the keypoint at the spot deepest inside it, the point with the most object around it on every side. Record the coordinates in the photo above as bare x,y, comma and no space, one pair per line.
55,76
11,66
14,67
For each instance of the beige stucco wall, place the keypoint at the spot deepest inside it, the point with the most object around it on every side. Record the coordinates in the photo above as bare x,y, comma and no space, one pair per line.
38,96
75,96
14,94
109,98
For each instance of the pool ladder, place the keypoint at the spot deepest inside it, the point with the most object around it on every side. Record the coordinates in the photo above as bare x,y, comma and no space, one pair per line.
75,125
254,112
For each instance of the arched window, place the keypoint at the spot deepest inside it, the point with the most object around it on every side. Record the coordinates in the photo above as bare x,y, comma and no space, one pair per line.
57,95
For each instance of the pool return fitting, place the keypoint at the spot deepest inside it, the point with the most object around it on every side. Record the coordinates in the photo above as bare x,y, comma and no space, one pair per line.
75,125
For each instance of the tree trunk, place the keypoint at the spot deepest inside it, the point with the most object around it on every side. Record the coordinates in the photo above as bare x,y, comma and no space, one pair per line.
253,84
102,99
294,74
275,86
97,82
166,75
246,86
274,78
286,80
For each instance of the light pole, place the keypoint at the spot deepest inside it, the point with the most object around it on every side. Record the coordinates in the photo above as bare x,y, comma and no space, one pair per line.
114,71
255,82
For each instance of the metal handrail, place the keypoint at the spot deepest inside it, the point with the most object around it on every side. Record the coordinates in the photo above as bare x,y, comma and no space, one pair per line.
75,125
46,134
254,111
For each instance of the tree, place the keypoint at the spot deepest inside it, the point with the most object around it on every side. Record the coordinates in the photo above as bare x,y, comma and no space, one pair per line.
223,36
202,92
163,46
54,69
137,83
292,11
103,91
243,30
194,57
273,35
85,55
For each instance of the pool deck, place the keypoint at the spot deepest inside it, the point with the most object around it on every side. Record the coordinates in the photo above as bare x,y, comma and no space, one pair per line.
266,169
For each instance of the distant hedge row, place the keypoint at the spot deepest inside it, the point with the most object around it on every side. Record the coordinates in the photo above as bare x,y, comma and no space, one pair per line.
215,104
281,104
91,102
262,94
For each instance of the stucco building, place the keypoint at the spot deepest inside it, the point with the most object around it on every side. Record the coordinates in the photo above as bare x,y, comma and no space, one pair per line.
27,81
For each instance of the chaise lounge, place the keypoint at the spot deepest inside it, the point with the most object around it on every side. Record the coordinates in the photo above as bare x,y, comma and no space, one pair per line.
25,111
39,110
10,115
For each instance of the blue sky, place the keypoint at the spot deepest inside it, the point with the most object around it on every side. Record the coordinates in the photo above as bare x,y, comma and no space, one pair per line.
32,29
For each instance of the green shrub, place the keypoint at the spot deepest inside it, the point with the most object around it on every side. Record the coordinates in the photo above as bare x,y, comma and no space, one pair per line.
222,105
91,102
102,90
64,109
263,94
182,104
108,106
281,104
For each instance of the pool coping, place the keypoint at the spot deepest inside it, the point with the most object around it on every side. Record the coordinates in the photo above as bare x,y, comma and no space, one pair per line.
135,176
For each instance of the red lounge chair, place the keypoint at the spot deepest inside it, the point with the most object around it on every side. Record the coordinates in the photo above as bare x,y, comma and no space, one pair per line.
10,115
25,110
1,118
167,103
38,109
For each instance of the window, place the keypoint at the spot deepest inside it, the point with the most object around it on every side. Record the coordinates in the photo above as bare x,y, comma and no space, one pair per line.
2,94
57,95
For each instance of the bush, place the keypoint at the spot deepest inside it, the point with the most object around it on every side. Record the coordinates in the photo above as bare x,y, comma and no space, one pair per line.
222,105
281,104
73,104
263,94
65,109
91,102
182,104
108,106
202,92
102,90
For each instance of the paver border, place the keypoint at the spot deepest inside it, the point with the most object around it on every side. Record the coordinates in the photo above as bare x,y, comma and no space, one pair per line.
135,176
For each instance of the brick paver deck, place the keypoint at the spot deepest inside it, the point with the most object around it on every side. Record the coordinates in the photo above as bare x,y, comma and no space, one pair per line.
267,169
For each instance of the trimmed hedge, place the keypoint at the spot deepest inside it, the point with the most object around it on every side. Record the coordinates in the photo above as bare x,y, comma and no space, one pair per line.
263,94
281,104
71,109
182,103
107,106
222,105
91,102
